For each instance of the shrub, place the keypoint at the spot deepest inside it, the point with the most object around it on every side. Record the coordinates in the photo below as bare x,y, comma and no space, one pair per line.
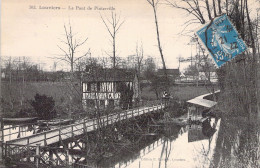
44,107
25,112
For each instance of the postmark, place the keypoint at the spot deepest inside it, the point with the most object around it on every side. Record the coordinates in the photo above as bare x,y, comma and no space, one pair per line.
221,39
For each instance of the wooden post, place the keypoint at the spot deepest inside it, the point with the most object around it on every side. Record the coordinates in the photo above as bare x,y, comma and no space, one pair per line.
107,120
1,139
45,141
51,156
72,134
2,130
6,146
67,157
84,126
37,156
34,129
19,132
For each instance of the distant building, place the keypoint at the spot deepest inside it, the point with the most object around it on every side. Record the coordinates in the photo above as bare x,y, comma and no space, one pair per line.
205,76
202,78
110,88
171,73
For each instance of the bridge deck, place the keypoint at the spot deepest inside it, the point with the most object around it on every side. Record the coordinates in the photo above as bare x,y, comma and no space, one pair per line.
80,127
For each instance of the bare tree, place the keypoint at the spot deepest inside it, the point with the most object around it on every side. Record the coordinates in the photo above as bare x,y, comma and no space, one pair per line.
140,56
154,6
113,25
72,44
70,50
192,7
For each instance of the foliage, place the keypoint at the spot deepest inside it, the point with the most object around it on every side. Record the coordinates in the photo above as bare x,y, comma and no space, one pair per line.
191,70
177,108
126,99
25,112
158,83
20,69
44,106
149,68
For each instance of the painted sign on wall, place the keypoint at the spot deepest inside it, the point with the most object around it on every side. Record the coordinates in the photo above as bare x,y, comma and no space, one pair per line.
221,40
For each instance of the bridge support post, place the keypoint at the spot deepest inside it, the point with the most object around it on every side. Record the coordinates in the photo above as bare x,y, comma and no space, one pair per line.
37,157
67,157
84,126
83,146
19,132
51,156
1,141
107,120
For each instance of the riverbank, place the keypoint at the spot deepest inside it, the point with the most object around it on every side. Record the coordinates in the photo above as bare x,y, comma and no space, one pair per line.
15,97
238,144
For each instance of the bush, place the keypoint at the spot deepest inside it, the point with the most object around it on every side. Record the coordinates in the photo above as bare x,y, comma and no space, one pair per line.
177,108
25,112
44,107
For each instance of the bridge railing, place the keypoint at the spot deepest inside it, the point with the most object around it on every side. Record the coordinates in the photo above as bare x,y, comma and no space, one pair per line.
81,127
17,130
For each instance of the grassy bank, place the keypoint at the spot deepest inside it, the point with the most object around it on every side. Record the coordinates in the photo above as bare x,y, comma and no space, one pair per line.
17,95
180,92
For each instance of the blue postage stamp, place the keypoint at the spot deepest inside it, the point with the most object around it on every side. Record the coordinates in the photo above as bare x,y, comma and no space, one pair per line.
221,40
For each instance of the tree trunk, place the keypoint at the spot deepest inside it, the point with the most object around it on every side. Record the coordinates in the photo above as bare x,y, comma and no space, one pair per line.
254,63
214,9
207,5
158,40
227,7
114,51
219,7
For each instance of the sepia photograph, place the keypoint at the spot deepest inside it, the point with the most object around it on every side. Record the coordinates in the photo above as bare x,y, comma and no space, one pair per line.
130,84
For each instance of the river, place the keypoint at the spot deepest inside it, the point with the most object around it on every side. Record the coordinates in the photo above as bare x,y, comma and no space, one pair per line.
186,146
232,143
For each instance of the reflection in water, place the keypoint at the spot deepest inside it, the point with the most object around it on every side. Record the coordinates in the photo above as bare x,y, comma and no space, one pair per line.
179,151
172,146
189,146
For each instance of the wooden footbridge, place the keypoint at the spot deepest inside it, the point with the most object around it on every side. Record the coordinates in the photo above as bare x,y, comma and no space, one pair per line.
81,127
34,143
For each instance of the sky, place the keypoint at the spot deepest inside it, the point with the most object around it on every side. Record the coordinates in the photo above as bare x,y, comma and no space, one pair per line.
36,33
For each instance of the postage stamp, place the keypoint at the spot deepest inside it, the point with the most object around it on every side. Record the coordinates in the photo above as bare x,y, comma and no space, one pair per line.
221,39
